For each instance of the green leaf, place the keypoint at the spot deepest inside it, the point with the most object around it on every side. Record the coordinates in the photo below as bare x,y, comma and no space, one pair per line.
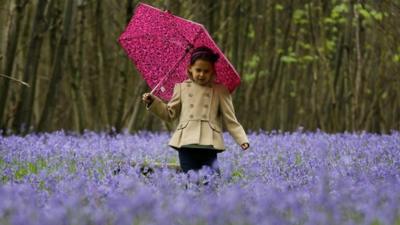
329,20
172,160
384,95
237,174
278,7
303,21
298,158
342,20
41,185
249,77
288,59
397,222
369,14
4,179
341,8
330,45
305,45
251,34
21,173
253,62
32,168
376,222
337,15
364,13
309,58
41,163
298,15
72,167
377,15
396,58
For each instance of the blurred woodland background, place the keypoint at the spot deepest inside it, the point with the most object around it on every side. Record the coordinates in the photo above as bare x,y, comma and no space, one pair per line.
332,65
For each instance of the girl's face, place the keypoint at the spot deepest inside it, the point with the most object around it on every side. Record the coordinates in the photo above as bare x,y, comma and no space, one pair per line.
202,72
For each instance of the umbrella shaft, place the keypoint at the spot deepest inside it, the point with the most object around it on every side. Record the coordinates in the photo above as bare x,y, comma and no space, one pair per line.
170,71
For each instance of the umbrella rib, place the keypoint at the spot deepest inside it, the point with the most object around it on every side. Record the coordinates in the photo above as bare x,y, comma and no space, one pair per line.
145,36
188,48
170,71
179,43
170,17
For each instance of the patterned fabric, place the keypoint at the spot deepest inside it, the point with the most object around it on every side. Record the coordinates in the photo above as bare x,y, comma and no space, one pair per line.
159,44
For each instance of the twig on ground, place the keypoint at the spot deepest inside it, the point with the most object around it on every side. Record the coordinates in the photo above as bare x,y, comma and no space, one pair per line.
149,168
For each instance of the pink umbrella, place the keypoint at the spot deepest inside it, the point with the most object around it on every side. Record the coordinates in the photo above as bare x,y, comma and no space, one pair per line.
159,44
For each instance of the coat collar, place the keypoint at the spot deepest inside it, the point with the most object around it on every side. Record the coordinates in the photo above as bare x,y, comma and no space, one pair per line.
191,81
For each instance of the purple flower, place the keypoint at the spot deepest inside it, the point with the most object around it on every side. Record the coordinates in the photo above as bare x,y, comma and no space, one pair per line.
285,178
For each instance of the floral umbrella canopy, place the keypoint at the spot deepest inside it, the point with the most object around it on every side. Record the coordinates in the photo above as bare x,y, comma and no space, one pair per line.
159,44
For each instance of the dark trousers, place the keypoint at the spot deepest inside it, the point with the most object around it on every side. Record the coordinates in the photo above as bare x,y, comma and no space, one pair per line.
196,158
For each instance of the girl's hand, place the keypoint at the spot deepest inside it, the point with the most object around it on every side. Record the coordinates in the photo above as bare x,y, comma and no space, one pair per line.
245,146
148,98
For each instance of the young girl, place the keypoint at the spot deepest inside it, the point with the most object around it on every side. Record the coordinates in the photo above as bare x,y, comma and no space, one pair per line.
201,106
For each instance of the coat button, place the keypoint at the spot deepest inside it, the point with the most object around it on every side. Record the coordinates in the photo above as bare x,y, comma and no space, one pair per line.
205,106
207,94
204,116
188,85
191,116
191,105
190,95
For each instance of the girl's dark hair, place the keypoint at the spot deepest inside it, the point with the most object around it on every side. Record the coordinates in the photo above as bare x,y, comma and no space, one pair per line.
203,53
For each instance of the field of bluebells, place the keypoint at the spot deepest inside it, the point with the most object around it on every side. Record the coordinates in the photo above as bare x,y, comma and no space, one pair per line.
285,178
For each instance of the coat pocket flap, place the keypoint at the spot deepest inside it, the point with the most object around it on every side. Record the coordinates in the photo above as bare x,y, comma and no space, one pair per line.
182,125
215,127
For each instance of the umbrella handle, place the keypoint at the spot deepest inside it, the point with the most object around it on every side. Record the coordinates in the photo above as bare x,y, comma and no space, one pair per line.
159,83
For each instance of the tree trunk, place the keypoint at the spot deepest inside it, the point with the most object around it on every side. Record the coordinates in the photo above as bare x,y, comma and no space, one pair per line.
105,93
135,107
236,35
122,97
357,88
13,31
23,114
78,97
271,82
57,74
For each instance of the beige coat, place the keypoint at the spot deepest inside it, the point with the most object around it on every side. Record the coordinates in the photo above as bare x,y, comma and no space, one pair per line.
201,111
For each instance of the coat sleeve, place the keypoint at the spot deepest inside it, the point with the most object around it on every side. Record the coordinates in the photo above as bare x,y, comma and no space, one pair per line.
229,118
167,111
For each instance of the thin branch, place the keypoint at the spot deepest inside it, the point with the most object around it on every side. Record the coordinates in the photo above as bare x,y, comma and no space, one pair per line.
14,79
